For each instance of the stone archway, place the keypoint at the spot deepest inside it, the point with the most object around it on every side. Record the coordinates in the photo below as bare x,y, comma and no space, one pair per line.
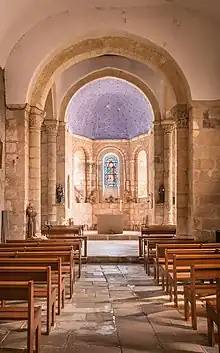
113,72
135,49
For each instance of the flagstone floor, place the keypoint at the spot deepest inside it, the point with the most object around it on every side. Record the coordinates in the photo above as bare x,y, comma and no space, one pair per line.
117,309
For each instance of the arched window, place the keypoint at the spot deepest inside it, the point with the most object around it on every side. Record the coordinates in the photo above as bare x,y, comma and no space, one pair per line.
111,178
142,174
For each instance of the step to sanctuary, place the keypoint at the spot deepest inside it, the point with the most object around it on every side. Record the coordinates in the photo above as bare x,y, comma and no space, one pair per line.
114,260
127,235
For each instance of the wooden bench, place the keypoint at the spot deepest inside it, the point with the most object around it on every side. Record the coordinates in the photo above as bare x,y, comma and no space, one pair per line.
168,266
196,291
62,230
160,252
181,270
161,248
75,247
39,275
155,230
66,257
213,316
59,240
22,291
143,238
150,246
56,269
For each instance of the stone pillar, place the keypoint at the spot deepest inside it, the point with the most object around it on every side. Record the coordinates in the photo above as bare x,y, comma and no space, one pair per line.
61,170
180,114
158,170
35,121
51,129
168,127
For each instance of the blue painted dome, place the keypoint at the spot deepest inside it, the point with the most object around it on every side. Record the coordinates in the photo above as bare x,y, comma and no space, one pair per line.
109,108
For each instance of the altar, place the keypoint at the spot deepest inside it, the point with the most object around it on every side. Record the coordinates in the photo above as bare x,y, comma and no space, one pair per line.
110,223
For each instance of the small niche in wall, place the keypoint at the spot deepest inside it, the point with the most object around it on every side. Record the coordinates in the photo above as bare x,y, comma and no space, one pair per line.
1,152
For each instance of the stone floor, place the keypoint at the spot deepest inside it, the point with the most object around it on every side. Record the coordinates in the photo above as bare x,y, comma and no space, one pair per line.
118,309
113,248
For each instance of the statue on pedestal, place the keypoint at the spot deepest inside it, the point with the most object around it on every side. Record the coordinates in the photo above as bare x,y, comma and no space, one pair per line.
31,221
128,196
161,194
92,197
59,194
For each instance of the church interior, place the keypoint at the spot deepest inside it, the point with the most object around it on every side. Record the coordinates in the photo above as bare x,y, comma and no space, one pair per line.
109,176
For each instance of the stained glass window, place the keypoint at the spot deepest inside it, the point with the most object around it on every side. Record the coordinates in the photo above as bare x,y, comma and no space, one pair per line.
111,168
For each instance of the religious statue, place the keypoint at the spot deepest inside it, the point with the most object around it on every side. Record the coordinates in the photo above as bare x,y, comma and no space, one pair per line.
128,196
92,197
31,221
161,194
59,194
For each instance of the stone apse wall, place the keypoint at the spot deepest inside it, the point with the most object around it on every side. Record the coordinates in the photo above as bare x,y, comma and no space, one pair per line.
136,210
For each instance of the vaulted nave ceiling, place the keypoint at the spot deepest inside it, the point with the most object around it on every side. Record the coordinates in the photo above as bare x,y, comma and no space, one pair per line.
32,32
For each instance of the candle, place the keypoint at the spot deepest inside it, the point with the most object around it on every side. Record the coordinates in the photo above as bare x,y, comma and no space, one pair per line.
120,205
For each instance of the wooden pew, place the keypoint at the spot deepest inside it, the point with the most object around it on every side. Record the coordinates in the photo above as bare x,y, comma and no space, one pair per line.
66,257
165,269
194,291
213,316
143,238
77,230
38,275
58,240
184,262
75,247
22,291
151,244
161,248
155,230
56,268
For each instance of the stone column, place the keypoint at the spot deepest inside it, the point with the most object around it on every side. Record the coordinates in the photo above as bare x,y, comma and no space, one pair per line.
180,114
51,129
35,121
61,170
168,127
158,170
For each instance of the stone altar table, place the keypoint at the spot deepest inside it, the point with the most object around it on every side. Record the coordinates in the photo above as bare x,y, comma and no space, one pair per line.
110,223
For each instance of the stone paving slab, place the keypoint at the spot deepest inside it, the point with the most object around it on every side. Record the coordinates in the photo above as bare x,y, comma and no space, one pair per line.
115,309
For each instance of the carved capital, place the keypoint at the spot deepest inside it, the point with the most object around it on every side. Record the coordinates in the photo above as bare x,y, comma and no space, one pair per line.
180,115
36,118
168,126
51,127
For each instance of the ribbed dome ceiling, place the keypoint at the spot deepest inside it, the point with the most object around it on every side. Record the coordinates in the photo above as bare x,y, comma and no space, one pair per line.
109,108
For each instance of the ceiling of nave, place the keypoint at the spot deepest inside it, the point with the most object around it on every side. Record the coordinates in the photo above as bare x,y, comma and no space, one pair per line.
33,31
109,108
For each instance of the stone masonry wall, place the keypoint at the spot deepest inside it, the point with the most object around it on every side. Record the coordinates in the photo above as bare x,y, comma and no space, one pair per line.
2,146
205,174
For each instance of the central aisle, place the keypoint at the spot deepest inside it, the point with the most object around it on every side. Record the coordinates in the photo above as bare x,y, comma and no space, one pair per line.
118,309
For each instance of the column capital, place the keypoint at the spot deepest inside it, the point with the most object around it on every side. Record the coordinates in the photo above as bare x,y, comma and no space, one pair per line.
51,126
36,118
168,126
180,113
